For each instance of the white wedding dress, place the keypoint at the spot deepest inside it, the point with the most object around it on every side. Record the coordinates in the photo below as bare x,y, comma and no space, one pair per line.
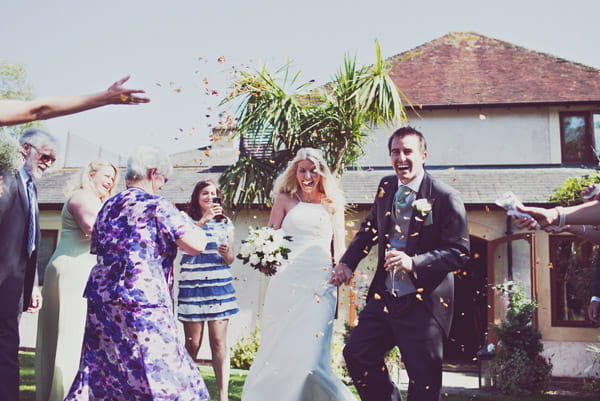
293,362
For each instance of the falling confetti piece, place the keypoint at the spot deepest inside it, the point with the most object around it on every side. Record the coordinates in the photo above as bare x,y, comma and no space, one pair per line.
221,59
385,310
124,98
376,296
419,297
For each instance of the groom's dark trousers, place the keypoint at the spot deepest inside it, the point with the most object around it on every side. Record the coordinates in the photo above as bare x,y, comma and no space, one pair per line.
417,323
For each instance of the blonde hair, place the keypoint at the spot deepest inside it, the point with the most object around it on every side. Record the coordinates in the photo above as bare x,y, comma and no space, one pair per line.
84,179
328,184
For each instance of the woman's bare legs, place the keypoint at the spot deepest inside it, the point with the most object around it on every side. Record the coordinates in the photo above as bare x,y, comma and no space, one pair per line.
217,334
193,337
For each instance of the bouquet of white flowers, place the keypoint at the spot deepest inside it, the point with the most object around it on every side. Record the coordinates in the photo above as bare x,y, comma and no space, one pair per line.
265,249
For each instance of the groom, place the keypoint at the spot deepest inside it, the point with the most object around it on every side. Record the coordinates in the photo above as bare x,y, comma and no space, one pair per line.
420,227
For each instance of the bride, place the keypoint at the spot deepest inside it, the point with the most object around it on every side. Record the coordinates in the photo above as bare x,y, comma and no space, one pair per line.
293,362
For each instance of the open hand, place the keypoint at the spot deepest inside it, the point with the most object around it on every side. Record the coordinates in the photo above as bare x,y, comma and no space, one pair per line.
117,94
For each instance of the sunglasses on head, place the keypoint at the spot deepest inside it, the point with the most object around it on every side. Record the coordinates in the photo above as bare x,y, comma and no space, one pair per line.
44,157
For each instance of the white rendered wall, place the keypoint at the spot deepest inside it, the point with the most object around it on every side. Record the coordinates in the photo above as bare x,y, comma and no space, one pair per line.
474,137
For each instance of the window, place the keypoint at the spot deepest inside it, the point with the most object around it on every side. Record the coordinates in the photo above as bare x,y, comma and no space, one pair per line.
571,278
257,143
580,136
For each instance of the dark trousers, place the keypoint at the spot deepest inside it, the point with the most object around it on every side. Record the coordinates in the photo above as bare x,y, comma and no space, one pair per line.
407,323
9,358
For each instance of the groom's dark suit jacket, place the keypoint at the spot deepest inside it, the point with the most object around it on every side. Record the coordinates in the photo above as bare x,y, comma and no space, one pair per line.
438,247
17,268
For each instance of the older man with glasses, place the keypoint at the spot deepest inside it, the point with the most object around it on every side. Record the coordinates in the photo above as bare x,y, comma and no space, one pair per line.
19,244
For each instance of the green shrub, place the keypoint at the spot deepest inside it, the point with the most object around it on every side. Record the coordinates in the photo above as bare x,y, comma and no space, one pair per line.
518,367
244,351
569,193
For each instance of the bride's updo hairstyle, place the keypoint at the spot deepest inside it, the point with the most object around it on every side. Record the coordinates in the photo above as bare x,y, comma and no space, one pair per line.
328,184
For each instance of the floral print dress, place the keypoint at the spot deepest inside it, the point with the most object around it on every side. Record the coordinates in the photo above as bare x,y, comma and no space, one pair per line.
131,348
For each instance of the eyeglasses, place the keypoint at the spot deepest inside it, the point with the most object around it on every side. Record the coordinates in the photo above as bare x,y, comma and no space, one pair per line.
44,157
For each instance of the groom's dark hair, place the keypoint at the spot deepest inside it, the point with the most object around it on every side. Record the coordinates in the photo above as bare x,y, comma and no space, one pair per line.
404,131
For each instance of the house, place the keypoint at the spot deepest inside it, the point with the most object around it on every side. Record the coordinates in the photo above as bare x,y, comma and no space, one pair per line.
497,117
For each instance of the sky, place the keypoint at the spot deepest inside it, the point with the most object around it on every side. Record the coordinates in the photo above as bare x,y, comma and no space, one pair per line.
180,51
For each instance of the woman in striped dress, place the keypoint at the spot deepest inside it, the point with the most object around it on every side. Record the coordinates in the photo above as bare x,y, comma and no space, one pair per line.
205,290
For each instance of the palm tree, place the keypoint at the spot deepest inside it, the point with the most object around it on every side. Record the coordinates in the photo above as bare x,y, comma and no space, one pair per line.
277,117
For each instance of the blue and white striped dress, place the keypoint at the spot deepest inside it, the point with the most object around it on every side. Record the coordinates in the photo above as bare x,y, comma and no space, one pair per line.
205,289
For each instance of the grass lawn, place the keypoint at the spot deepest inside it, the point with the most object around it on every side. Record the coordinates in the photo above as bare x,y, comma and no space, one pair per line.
236,383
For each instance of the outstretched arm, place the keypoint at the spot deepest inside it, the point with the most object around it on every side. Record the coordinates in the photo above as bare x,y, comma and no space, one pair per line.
585,213
23,111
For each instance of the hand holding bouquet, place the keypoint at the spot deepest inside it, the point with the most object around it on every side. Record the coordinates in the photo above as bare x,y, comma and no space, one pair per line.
265,249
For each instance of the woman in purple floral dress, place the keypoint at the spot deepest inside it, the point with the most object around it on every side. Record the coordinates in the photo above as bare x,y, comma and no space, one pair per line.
131,348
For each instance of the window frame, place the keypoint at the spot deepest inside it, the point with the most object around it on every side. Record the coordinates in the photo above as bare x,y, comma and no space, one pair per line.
591,148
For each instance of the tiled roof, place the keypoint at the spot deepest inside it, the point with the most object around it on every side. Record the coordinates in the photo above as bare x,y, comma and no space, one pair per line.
465,68
478,186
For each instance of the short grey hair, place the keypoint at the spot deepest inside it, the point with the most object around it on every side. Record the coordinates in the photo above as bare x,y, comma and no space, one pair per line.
145,158
39,138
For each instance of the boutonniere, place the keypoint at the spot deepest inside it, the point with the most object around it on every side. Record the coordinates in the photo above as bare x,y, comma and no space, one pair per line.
424,207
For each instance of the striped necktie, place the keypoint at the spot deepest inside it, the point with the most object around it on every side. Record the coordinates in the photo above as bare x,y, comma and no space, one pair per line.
31,231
